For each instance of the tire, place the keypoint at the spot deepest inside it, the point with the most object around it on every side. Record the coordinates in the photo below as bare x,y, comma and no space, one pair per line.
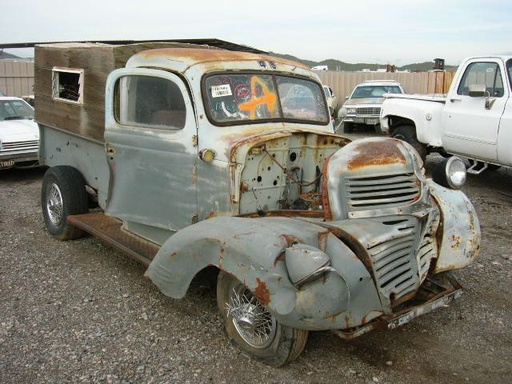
348,127
407,133
266,340
63,193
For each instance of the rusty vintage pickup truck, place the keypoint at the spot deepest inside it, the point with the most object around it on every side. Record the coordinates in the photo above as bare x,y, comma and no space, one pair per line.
208,154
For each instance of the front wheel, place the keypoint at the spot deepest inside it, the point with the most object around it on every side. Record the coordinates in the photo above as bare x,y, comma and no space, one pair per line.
408,134
63,193
253,328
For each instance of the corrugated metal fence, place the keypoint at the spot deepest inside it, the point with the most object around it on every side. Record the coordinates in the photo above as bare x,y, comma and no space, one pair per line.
17,77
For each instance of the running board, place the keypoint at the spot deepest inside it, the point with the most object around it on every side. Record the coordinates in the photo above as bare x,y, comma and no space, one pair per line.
110,230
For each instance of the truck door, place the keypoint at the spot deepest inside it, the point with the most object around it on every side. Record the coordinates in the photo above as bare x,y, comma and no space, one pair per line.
472,120
150,131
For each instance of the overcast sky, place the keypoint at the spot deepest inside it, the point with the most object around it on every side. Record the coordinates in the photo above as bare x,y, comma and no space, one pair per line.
372,31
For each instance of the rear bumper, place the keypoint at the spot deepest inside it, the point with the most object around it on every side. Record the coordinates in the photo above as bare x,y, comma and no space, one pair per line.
432,295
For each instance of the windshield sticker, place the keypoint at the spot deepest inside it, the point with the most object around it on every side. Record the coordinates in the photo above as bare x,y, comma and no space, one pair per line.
221,90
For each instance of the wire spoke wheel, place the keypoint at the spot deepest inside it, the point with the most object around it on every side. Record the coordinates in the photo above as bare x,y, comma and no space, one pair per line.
54,205
253,328
253,322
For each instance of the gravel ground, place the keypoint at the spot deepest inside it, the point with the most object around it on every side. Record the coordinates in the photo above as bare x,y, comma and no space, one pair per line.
81,312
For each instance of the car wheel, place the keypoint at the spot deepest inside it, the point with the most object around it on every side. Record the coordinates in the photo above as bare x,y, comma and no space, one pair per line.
253,328
348,127
408,134
63,193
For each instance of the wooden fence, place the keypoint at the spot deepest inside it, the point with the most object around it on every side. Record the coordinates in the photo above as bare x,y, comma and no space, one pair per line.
342,83
17,79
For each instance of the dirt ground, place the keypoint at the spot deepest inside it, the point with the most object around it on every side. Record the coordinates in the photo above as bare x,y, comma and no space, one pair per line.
81,312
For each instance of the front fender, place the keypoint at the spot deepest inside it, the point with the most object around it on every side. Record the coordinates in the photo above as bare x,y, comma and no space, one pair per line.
459,236
425,114
253,250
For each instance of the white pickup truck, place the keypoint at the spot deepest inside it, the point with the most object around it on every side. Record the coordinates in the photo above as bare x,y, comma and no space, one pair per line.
474,120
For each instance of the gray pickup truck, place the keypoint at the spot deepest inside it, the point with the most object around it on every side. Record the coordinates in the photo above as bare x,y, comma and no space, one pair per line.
189,156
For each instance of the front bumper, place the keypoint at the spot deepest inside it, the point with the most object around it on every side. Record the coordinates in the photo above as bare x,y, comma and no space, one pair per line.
9,159
369,120
436,292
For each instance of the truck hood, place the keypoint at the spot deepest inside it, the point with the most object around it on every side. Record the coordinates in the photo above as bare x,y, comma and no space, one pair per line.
18,130
441,98
252,138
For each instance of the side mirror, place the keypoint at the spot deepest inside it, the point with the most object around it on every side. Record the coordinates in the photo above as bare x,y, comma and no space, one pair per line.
477,90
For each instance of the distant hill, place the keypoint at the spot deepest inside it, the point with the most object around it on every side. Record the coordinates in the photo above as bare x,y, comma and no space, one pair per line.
333,64
337,65
5,55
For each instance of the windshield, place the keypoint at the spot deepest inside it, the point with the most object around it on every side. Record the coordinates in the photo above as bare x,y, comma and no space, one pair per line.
250,97
372,91
15,109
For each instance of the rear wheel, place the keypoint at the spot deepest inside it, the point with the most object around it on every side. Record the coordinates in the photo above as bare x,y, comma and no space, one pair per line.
408,134
63,193
253,328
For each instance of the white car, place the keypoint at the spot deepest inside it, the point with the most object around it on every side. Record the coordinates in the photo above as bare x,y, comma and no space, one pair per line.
363,105
19,134
332,101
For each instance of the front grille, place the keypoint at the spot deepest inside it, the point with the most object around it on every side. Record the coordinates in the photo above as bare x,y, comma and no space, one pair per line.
393,267
20,145
366,193
396,270
368,111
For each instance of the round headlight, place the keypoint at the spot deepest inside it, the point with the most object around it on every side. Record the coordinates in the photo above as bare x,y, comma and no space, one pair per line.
342,113
451,173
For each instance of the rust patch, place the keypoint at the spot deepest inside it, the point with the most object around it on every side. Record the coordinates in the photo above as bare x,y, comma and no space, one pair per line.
455,241
325,195
382,152
262,292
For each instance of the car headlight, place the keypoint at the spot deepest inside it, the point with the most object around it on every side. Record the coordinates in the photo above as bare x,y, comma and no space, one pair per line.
451,173
351,111
342,113
306,263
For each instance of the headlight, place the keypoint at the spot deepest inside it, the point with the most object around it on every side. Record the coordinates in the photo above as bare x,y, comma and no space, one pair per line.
351,111
305,263
342,113
451,173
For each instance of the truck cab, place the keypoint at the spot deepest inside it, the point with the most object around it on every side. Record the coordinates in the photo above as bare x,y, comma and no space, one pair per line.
473,120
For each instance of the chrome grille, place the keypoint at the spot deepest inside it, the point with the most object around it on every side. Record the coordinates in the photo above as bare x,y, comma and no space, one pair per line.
372,111
397,272
365,193
18,145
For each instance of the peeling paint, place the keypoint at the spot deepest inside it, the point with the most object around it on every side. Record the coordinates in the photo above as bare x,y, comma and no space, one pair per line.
376,153
262,293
